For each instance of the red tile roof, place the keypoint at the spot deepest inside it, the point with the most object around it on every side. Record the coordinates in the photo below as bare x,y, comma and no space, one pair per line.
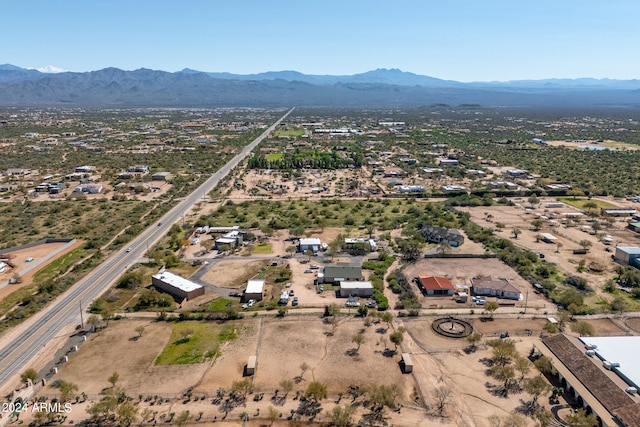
434,283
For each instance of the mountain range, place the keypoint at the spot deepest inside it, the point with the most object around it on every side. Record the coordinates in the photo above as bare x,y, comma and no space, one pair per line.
113,87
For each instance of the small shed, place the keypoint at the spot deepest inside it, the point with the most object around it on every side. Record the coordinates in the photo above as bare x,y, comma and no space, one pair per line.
406,364
253,291
250,369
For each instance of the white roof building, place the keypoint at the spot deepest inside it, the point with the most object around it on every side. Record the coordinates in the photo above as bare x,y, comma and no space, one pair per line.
255,286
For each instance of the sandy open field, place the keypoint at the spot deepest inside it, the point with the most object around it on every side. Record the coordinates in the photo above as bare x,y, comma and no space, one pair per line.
233,273
282,345
568,237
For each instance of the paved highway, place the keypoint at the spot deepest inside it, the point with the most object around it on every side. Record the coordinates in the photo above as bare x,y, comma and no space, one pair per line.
33,335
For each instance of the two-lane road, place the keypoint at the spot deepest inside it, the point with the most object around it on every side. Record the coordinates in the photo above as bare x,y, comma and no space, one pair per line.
34,334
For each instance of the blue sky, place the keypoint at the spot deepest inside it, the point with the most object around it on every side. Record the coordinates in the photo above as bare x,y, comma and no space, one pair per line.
464,40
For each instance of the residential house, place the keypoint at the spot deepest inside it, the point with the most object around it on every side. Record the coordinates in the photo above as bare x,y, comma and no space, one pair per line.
448,163
340,272
500,288
358,289
434,234
162,176
435,286
313,244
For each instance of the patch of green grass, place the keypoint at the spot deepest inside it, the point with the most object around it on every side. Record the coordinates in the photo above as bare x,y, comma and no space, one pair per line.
200,345
274,156
262,248
579,202
289,132
218,304
59,266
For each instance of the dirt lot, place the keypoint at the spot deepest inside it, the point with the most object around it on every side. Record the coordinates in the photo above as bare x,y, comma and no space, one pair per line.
271,184
37,253
461,270
568,237
103,352
282,345
233,273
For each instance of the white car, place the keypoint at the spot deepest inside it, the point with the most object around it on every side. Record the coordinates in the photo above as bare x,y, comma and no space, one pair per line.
29,259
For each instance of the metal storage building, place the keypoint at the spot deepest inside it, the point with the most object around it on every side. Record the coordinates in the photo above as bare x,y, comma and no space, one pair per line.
176,285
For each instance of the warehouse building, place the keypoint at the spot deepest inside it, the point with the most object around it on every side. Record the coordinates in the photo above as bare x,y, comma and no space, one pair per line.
177,286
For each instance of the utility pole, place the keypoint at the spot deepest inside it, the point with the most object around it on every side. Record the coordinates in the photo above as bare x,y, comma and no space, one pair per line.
81,316
526,301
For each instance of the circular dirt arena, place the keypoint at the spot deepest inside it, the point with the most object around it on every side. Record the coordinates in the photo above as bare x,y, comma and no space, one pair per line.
451,327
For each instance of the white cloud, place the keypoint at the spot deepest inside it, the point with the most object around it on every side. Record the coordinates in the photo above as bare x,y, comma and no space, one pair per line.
51,69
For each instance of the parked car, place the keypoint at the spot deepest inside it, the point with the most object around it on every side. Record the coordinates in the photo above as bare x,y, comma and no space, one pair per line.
352,304
291,293
314,267
308,270
29,259
251,302
295,301
370,304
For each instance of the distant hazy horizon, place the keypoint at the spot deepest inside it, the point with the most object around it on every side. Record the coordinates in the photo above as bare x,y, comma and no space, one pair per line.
464,40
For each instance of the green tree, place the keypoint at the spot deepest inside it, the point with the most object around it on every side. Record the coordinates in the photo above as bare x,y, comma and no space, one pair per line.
585,244
67,390
140,330
396,338
240,389
522,365
490,307
582,419
316,391
536,387
272,414
286,386
340,416
516,232
113,379
544,365
583,329
474,339
29,374
358,339
182,419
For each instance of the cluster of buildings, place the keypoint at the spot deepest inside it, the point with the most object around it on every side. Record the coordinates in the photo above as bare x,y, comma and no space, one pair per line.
500,288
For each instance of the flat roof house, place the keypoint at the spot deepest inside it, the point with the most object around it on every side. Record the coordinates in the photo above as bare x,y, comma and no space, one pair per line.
358,289
500,288
312,244
254,290
176,285
436,286
340,272
162,176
